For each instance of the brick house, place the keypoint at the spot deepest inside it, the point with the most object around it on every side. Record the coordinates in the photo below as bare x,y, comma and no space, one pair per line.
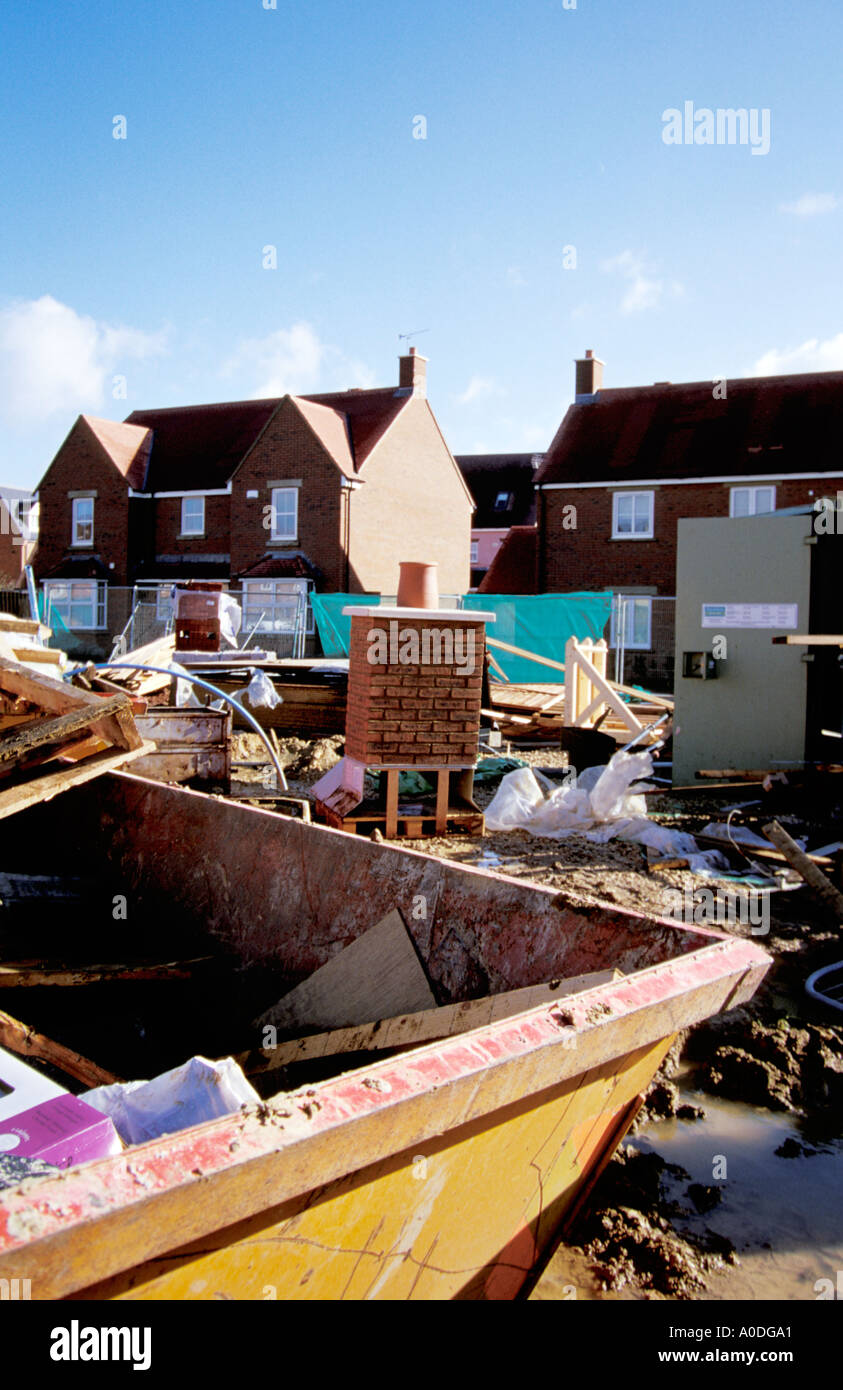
503,488
626,464
278,497
18,531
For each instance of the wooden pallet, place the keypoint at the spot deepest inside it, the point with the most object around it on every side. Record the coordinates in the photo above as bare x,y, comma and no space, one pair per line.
43,720
410,826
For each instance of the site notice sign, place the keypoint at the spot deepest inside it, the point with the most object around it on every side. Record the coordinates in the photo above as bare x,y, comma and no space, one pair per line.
777,615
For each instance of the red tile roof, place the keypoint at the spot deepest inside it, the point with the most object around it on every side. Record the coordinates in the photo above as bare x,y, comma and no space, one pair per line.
765,425
127,445
199,446
513,569
369,415
296,566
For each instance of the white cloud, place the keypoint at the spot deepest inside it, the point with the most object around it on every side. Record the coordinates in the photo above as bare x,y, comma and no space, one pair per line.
812,205
53,360
478,389
644,291
811,356
296,361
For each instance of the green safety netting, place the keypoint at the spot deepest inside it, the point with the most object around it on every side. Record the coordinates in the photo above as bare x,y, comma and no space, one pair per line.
540,623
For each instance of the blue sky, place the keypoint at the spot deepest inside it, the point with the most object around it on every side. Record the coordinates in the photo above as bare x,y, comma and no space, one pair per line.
292,127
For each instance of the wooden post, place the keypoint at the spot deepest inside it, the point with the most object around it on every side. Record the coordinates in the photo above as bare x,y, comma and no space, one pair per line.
816,880
443,786
392,803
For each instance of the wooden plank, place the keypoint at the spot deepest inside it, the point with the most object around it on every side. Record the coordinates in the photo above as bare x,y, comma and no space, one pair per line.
48,656
48,694
520,651
501,672
663,701
37,733
391,804
18,1037
805,640
26,627
44,788
377,975
806,866
33,974
408,1029
604,689
443,784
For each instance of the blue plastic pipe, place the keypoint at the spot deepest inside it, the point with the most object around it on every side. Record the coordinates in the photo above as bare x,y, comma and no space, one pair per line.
205,685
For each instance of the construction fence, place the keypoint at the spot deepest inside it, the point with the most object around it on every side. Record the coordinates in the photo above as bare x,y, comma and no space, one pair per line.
96,620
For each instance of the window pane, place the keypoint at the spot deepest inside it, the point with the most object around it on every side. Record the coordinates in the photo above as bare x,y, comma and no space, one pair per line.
764,499
625,509
284,506
740,501
642,513
639,623
192,515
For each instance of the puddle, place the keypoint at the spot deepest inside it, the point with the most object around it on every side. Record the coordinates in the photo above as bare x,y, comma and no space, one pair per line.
783,1215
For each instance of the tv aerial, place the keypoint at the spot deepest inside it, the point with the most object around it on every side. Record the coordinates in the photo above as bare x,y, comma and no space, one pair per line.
415,334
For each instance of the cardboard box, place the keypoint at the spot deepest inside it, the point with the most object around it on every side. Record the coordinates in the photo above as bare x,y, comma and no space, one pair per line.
22,1087
63,1130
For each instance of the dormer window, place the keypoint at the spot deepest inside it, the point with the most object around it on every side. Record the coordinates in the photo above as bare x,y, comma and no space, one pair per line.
193,516
83,521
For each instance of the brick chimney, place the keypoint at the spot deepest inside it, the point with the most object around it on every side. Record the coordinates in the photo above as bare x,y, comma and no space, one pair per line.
589,376
413,372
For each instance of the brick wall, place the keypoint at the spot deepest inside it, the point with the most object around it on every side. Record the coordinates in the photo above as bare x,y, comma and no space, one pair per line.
412,506
405,714
81,465
588,558
170,541
288,450
12,557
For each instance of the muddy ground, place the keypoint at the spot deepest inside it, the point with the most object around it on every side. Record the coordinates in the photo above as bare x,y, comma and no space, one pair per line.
782,1051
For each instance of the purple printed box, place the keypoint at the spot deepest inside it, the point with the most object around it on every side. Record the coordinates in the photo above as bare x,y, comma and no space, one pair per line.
62,1131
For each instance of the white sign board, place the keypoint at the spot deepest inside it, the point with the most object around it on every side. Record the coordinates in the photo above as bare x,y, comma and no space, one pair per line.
778,615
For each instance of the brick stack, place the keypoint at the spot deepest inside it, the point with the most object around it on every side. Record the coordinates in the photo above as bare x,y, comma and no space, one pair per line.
405,713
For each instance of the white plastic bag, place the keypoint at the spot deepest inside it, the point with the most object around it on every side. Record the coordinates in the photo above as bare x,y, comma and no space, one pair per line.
185,693
188,1095
231,616
261,691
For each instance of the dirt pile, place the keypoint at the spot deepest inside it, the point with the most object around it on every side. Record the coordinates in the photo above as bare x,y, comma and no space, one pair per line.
781,1066
629,1235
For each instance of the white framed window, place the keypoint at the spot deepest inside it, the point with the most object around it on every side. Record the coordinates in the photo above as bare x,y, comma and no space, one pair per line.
752,501
193,516
475,546
632,516
78,603
285,513
634,617
83,520
277,605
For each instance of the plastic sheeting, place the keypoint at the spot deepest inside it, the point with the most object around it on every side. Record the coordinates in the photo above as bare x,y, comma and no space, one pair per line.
334,629
188,1095
600,805
541,623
